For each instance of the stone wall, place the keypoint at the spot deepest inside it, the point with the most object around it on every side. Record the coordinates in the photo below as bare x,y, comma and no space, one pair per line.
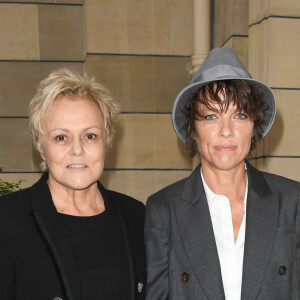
140,50
265,34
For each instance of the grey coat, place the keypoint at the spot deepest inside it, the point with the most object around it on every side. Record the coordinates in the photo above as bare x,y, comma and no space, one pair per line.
180,239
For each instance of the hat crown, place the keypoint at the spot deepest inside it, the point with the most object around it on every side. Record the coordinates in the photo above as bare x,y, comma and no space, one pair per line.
221,63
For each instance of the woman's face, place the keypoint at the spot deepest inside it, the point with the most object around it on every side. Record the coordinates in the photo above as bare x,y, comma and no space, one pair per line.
223,138
73,143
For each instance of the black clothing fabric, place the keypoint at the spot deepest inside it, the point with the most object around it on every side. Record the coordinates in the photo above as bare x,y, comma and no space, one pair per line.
90,241
36,261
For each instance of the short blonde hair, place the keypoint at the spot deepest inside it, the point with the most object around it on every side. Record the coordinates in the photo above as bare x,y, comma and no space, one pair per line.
64,82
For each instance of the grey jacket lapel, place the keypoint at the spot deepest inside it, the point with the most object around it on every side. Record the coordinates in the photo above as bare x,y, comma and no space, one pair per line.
195,226
261,221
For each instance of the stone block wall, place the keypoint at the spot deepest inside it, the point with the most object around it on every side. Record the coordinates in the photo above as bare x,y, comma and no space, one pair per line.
265,34
139,50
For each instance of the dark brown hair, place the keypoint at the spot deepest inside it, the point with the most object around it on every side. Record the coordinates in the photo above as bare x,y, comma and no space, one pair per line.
246,97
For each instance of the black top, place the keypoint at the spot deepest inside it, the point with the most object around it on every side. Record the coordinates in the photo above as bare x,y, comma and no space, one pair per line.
90,241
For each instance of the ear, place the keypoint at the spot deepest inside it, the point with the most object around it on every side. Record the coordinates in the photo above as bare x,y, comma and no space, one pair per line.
41,150
43,156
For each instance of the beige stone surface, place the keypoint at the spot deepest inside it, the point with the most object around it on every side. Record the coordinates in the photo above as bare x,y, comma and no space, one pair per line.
240,46
15,148
181,27
231,18
286,167
258,52
147,141
140,27
140,184
259,9
284,8
19,80
223,22
69,2
61,31
28,178
284,136
240,14
19,32
141,83
284,52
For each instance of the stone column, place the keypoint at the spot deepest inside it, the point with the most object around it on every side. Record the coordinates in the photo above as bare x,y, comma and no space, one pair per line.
201,32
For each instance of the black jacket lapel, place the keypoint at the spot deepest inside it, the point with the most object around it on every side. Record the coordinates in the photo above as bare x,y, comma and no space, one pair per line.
121,246
46,218
261,221
195,226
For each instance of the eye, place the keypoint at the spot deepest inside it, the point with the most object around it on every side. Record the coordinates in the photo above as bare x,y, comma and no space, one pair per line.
210,117
241,116
60,138
91,136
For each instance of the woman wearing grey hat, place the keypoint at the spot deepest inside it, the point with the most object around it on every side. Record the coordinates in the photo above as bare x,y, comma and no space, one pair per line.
228,231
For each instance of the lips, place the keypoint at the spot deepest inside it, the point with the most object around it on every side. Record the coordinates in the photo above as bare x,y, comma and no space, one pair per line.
225,148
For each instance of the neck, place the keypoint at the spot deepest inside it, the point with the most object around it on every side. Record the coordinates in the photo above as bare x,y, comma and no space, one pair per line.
230,183
87,202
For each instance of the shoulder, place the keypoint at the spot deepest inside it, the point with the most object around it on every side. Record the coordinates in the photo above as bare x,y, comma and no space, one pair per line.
277,182
279,179
169,191
14,199
175,190
162,202
123,200
274,183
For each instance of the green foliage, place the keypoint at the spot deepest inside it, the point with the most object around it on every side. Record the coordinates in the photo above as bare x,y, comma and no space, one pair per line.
9,187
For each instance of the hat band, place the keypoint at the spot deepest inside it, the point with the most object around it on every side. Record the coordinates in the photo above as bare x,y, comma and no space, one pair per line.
222,72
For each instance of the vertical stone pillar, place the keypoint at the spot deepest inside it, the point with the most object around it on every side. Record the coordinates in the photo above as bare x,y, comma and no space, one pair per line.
201,32
201,40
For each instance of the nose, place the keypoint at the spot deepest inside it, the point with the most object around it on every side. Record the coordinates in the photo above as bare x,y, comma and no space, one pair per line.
77,147
226,129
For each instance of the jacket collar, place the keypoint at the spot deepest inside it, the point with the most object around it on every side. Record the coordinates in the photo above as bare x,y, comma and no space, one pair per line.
261,223
48,221
197,234
196,231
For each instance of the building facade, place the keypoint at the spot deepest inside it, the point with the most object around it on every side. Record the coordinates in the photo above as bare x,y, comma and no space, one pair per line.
145,52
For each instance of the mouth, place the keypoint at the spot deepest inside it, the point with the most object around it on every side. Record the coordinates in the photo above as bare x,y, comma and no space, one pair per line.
76,166
225,148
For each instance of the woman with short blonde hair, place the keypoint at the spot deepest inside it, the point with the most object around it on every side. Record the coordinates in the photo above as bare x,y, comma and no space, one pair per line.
65,82
67,237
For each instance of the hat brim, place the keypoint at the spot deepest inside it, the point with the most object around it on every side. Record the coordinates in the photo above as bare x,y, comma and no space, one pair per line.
182,101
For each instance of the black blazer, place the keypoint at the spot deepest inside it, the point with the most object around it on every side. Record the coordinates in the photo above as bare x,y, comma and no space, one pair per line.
35,260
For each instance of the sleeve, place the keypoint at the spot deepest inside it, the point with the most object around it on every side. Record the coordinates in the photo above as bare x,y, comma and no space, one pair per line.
7,274
157,252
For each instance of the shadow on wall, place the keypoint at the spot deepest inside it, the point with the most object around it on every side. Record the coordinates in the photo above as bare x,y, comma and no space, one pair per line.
36,159
112,155
273,138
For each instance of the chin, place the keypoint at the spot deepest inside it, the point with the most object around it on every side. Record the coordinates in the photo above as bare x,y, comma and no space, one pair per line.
228,165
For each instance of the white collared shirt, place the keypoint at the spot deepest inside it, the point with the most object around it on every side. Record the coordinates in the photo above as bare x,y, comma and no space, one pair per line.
231,254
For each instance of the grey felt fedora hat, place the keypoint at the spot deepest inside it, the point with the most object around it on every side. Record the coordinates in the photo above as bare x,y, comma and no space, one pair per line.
220,64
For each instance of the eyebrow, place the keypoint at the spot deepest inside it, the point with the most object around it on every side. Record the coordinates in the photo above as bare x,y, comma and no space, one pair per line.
84,129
